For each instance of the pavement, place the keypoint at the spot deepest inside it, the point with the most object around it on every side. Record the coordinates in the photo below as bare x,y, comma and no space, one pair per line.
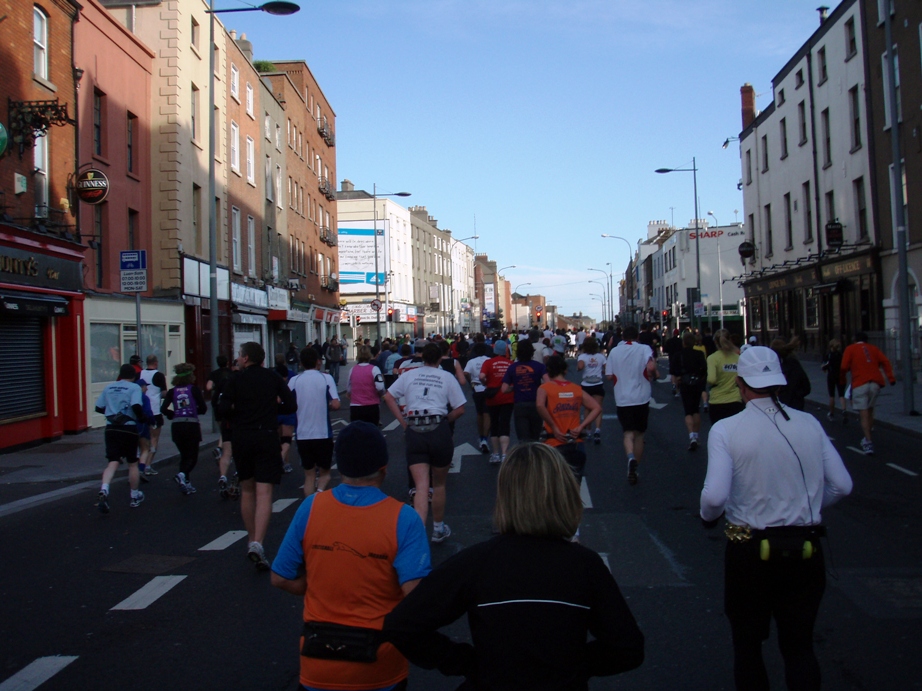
43,473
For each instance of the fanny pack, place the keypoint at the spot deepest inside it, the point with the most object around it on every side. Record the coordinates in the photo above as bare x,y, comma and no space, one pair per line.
326,641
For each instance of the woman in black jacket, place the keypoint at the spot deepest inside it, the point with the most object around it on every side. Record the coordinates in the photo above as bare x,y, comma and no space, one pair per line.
529,585
795,392
691,374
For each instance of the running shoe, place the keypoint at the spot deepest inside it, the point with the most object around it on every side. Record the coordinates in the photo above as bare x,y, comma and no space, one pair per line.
216,453
632,471
440,535
597,436
829,417
102,502
287,468
180,479
257,555
136,500
693,445
484,447
675,392
222,483
495,459
188,489
502,459
149,470
868,447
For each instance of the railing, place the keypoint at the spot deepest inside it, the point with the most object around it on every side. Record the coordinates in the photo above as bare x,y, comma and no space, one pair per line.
326,188
323,127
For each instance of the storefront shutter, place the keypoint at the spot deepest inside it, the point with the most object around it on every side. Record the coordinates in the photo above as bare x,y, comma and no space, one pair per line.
22,367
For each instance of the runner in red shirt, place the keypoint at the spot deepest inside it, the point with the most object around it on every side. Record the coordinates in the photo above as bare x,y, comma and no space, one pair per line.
499,404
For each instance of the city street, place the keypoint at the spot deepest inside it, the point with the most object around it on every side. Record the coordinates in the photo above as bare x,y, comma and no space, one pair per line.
163,596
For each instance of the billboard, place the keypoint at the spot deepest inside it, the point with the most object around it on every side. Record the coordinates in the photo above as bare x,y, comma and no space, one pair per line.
489,298
357,256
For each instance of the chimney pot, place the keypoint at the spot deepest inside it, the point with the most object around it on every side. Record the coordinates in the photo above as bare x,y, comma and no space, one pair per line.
824,13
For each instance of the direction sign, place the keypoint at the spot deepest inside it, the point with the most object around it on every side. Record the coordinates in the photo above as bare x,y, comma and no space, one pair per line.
376,305
699,309
134,281
131,260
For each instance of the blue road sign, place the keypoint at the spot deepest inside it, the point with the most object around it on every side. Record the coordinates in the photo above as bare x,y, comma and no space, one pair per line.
131,260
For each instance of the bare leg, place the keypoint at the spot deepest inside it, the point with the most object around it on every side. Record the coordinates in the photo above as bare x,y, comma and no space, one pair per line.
690,423
420,472
503,445
154,440
323,479
263,510
638,446
134,475
109,472
598,420
629,443
224,461
867,421
439,475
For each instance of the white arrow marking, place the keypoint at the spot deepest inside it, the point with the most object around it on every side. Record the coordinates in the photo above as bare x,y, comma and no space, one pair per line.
464,449
394,425
280,505
852,448
605,559
150,593
339,422
663,381
584,494
903,470
37,673
657,406
223,542
610,416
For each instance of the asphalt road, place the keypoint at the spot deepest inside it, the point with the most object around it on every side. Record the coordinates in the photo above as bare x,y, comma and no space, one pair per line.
67,573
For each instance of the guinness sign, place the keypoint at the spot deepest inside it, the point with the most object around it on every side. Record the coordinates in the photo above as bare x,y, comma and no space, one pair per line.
92,186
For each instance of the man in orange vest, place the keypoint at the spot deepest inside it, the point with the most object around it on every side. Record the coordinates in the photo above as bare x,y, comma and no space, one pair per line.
352,553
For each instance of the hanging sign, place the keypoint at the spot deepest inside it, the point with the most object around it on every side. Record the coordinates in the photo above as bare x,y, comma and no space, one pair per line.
92,186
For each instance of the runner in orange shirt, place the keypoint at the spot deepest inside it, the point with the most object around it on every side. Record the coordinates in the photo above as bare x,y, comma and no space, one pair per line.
864,362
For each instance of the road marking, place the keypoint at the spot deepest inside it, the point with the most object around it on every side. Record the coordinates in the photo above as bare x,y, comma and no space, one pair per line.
280,505
37,673
464,449
852,448
39,499
150,593
605,559
339,421
657,406
394,425
903,470
666,379
610,416
223,542
584,494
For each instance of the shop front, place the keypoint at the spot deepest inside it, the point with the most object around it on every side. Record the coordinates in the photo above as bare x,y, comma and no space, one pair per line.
196,283
43,392
250,317
286,323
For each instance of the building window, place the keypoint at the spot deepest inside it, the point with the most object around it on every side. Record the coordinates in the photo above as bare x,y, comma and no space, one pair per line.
40,43
851,40
249,101
235,230
784,138
278,186
197,215
827,138
131,135
798,79
880,10
40,175
855,116
772,312
788,223
235,146
886,73
807,203
769,241
764,153
802,122
235,83
99,114
251,245
893,210
195,107
831,207
251,161
780,97
132,229
268,179
861,209
748,166
811,313
278,137
267,127
99,236
822,74
195,33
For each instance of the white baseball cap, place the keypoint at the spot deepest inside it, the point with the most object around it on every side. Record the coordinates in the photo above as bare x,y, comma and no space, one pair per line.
760,368
753,339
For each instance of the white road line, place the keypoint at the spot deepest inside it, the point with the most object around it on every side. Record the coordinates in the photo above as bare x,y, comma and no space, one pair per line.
339,421
584,494
605,559
150,593
852,448
663,381
394,425
280,505
37,673
657,406
610,416
223,542
39,499
461,450
903,470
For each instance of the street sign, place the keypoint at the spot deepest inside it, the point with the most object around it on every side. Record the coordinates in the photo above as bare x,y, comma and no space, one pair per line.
699,309
376,305
134,281
131,260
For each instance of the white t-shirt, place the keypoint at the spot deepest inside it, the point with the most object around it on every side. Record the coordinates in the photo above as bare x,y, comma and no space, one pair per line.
593,369
473,369
541,353
627,362
559,344
428,391
314,390
580,337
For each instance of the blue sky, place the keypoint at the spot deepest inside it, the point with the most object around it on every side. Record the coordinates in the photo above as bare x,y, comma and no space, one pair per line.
544,120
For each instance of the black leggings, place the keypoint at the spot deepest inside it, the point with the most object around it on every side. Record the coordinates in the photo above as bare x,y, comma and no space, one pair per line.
528,423
186,436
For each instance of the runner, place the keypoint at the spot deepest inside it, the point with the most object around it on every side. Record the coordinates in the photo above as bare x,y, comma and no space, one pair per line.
691,375
316,395
499,404
725,395
187,402
832,366
156,385
121,403
864,363
592,364
365,388
472,372
215,384
523,378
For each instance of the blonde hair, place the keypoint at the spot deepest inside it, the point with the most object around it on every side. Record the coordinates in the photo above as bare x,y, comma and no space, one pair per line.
835,344
723,341
537,493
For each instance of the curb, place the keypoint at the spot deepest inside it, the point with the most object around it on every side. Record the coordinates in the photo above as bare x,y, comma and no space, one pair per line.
885,424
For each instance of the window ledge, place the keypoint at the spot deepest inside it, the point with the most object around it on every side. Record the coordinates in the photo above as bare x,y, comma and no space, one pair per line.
195,50
251,183
809,240
45,83
197,144
101,159
789,248
851,55
802,142
822,81
784,155
133,175
236,171
855,148
826,165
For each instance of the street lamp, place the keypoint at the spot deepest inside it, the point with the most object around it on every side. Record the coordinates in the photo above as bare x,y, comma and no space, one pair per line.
275,7
607,274
451,275
694,171
720,278
374,204
604,300
628,282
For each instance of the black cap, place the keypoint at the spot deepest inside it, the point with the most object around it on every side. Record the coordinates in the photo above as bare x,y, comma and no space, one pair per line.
360,450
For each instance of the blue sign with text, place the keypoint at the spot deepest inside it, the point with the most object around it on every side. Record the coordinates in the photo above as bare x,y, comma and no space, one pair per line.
132,260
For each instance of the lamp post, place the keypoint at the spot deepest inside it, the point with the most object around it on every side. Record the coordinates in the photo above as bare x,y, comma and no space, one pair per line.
694,171
604,299
451,276
720,277
276,7
374,204
628,281
610,304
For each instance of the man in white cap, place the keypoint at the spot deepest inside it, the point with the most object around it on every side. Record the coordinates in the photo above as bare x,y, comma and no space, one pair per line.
771,470
748,344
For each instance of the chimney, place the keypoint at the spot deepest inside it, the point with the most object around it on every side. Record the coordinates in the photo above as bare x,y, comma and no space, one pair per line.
824,13
246,47
748,99
346,185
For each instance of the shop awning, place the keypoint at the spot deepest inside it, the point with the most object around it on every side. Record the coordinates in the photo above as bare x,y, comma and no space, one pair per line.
14,302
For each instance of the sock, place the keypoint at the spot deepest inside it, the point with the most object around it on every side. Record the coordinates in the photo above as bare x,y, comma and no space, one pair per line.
142,466
135,493
630,457
437,525
104,488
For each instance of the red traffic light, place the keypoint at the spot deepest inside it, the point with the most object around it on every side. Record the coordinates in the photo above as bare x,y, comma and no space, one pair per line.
358,319
665,313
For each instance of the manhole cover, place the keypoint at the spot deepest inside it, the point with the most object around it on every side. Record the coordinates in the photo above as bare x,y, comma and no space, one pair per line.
148,563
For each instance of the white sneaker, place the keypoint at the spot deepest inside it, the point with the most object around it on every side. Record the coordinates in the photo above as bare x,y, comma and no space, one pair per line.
257,555
495,459
440,535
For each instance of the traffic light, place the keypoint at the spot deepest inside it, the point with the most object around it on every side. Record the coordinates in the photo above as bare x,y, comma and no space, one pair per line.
683,310
665,314
390,313
358,319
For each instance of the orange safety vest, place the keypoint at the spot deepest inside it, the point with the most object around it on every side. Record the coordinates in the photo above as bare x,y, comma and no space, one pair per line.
349,553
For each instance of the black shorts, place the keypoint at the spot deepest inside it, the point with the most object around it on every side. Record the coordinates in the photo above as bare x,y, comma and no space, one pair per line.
121,443
575,456
258,455
833,386
633,418
366,413
480,402
594,390
158,422
434,448
316,452
500,419
691,398
226,432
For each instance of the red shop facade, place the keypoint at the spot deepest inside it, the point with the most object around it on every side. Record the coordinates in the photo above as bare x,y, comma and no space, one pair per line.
41,338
